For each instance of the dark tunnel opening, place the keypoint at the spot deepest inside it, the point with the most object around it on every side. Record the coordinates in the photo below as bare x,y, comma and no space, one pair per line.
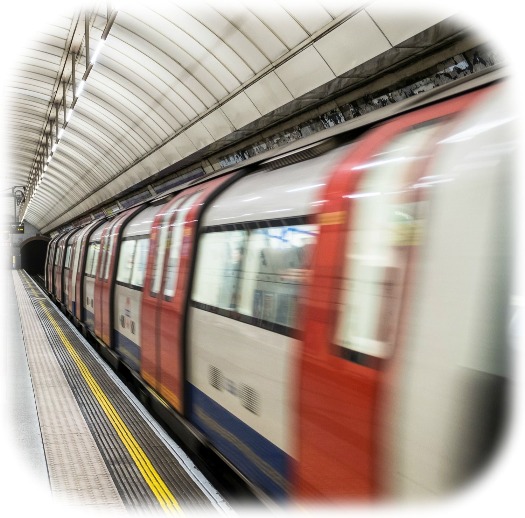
33,256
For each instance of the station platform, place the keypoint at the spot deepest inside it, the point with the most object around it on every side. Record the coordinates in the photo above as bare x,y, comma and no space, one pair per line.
83,432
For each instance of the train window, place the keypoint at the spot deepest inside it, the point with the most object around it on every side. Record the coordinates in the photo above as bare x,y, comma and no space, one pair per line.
89,258
125,264
276,265
58,255
159,260
96,255
254,274
76,251
218,266
68,256
176,239
92,259
101,259
109,252
103,271
161,248
139,262
386,222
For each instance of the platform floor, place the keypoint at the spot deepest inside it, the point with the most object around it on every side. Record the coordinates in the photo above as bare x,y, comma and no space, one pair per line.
82,433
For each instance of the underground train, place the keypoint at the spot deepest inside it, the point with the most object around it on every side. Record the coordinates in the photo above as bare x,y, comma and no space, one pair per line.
332,320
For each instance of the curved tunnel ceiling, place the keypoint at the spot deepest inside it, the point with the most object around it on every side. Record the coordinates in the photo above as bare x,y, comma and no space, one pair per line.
172,78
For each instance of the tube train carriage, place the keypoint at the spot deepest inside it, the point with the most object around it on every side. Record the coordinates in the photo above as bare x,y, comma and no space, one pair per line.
331,320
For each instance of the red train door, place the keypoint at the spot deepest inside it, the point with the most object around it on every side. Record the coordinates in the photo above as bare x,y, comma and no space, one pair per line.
50,267
59,265
369,229
79,267
105,279
56,266
68,269
166,284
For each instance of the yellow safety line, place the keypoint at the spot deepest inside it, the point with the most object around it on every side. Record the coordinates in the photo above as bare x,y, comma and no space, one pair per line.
150,474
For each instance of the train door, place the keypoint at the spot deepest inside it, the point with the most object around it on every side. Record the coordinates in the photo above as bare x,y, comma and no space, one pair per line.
128,294
79,267
59,266
164,301
88,306
68,269
50,264
370,228
104,281
56,267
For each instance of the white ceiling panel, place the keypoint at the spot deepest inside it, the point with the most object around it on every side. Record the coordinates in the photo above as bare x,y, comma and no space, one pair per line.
189,98
405,21
268,93
150,166
240,110
218,124
337,7
199,135
311,16
159,160
279,21
255,31
137,83
170,152
110,92
304,72
183,145
359,36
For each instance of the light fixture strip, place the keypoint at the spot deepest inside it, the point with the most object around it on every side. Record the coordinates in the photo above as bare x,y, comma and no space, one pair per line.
73,64
86,36
56,123
64,103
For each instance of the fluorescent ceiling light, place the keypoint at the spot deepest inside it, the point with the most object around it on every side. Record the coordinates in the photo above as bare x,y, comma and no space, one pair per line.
97,51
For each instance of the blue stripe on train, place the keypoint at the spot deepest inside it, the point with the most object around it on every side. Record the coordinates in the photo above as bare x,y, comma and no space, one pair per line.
263,463
128,350
89,320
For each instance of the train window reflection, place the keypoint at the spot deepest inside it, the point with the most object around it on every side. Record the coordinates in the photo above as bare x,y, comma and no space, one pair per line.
276,265
218,268
68,256
57,256
255,274
125,263
162,241
176,240
91,259
96,255
108,254
386,222
139,262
